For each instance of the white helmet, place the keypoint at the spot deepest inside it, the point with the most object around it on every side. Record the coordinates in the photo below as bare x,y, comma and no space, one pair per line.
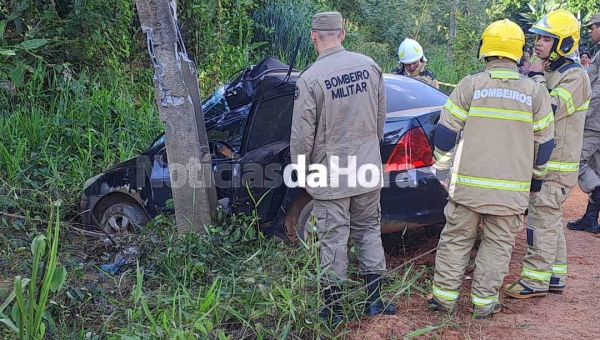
409,51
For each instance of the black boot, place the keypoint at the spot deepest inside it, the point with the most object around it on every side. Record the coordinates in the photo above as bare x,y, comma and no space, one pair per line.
374,304
333,313
589,221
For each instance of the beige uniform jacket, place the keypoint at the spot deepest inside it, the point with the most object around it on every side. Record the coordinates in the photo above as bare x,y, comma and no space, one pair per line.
421,73
506,121
338,119
593,114
570,92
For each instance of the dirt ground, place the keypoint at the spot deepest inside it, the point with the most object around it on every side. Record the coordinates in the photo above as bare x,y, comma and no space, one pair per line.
573,315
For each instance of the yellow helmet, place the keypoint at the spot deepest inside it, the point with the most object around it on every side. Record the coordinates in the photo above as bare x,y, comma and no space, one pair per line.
563,27
502,38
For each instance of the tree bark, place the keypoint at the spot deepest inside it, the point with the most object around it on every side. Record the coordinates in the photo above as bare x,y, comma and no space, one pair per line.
452,29
180,108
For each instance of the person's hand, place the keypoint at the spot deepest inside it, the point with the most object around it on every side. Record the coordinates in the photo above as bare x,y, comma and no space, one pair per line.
538,67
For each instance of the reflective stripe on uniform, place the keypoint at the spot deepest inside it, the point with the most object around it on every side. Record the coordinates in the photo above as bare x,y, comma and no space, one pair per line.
566,96
490,183
543,123
489,112
562,166
449,295
559,269
442,157
584,107
456,110
479,301
536,274
504,74
540,173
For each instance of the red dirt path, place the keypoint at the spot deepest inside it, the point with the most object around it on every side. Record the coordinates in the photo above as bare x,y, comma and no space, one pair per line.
573,315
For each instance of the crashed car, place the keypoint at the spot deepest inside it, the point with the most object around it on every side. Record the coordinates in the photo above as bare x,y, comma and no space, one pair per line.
248,122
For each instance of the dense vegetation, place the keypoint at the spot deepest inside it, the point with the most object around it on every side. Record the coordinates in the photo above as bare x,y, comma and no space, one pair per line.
84,101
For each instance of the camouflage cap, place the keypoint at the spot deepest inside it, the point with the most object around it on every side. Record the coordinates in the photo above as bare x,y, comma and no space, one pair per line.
327,21
594,20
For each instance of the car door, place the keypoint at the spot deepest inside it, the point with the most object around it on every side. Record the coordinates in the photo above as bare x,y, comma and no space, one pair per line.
258,176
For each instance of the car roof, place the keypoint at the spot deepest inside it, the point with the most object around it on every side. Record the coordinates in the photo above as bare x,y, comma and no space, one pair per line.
402,92
405,93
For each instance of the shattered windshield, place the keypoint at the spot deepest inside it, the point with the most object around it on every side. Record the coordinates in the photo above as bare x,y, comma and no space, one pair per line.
215,105
230,127
222,123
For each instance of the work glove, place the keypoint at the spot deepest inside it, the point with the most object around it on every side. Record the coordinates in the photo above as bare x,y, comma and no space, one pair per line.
536,185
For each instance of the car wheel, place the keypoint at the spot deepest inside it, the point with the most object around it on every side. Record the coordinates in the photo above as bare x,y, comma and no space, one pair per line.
307,236
435,230
310,236
122,219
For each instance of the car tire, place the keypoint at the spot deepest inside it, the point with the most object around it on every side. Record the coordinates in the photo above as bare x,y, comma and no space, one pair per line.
309,237
122,219
306,213
435,230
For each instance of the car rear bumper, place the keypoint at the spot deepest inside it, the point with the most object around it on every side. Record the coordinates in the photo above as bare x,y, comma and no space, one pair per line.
412,198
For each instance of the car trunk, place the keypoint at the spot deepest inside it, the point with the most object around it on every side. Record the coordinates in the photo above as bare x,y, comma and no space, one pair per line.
407,145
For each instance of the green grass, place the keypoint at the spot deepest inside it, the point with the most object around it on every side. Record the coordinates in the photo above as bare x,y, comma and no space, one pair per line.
63,128
235,284
58,135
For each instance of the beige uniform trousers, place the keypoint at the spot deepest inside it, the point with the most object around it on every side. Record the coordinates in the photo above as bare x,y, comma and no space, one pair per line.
589,166
546,257
492,261
358,217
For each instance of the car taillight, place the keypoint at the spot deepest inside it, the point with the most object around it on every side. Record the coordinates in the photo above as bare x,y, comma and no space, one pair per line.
412,151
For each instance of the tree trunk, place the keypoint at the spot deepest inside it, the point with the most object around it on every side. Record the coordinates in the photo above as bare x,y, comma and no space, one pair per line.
452,29
179,105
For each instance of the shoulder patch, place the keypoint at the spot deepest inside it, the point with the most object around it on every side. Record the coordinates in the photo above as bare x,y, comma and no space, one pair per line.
296,92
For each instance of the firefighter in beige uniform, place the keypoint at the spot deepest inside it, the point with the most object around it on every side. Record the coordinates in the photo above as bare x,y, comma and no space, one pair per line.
545,264
507,137
412,63
589,165
338,119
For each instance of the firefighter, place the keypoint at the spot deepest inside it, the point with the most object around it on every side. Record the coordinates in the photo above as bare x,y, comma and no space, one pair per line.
504,127
412,63
338,119
545,263
589,165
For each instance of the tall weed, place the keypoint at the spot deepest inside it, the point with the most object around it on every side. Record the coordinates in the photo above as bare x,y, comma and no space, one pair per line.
30,307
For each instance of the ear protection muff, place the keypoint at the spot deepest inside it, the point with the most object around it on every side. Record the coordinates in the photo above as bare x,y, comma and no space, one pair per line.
567,44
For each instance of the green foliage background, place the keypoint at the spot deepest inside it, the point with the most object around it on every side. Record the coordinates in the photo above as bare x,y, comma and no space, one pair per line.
82,72
84,101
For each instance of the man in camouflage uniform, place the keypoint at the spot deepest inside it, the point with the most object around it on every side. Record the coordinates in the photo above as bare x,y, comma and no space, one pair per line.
507,137
412,63
338,120
589,165
545,263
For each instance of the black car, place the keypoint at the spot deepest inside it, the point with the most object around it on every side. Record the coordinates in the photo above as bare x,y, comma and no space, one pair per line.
248,123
